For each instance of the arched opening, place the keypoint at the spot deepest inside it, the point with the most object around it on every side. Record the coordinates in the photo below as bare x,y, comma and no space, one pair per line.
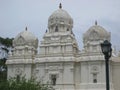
56,29
53,79
94,78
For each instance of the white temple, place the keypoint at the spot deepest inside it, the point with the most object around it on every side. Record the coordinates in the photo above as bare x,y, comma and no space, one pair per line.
59,61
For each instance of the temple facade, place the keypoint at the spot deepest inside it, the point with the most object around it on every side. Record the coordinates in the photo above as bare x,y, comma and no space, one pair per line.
58,60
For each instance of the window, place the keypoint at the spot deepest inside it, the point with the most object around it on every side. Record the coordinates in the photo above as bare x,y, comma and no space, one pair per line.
56,29
67,29
94,78
53,79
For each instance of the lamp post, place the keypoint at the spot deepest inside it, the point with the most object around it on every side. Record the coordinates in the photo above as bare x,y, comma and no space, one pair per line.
107,51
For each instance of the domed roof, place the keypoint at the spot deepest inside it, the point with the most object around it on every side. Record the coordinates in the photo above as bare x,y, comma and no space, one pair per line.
26,38
60,15
96,32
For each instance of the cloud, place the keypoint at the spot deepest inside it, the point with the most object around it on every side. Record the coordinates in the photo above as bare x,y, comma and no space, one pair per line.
15,15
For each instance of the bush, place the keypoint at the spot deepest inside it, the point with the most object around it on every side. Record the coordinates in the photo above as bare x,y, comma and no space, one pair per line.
23,84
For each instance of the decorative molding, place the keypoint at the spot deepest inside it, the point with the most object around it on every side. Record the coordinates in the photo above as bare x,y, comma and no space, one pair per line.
57,75
18,71
94,69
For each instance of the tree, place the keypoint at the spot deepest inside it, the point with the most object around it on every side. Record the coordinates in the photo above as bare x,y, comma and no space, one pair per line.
5,45
23,84
6,41
3,70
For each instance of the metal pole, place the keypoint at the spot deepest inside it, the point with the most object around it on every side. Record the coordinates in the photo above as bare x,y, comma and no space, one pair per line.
107,72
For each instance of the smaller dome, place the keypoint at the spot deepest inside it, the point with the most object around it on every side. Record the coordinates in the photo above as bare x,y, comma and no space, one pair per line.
96,32
25,38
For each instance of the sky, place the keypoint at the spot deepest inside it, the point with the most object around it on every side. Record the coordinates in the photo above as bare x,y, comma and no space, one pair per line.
15,15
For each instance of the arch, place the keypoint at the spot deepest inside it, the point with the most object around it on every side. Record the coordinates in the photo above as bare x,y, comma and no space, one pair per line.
56,29
94,35
20,40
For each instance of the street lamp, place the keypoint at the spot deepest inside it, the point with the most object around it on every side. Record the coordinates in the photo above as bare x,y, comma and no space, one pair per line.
107,51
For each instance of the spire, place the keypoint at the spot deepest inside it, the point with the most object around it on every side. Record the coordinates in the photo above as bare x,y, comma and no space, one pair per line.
96,22
60,5
26,28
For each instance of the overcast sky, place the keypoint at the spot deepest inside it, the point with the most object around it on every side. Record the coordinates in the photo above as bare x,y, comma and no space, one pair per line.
15,15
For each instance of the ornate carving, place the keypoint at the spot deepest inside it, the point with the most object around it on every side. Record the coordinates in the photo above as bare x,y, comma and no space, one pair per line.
94,69
18,71
54,67
94,35
55,38
20,40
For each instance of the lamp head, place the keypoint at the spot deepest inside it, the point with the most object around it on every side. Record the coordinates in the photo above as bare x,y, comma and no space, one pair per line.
106,48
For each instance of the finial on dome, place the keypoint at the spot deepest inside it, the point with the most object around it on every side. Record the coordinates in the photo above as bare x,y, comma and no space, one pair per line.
60,5
96,22
26,28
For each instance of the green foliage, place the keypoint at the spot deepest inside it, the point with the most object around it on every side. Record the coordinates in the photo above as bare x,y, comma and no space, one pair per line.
3,76
13,83
2,62
23,84
3,70
6,41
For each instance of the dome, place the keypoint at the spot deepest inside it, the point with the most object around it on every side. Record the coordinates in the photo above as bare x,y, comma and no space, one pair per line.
60,16
25,38
96,32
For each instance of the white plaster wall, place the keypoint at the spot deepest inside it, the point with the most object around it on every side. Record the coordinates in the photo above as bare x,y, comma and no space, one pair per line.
27,71
42,50
84,72
10,71
41,72
77,75
116,75
68,73
64,72
24,70
86,80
